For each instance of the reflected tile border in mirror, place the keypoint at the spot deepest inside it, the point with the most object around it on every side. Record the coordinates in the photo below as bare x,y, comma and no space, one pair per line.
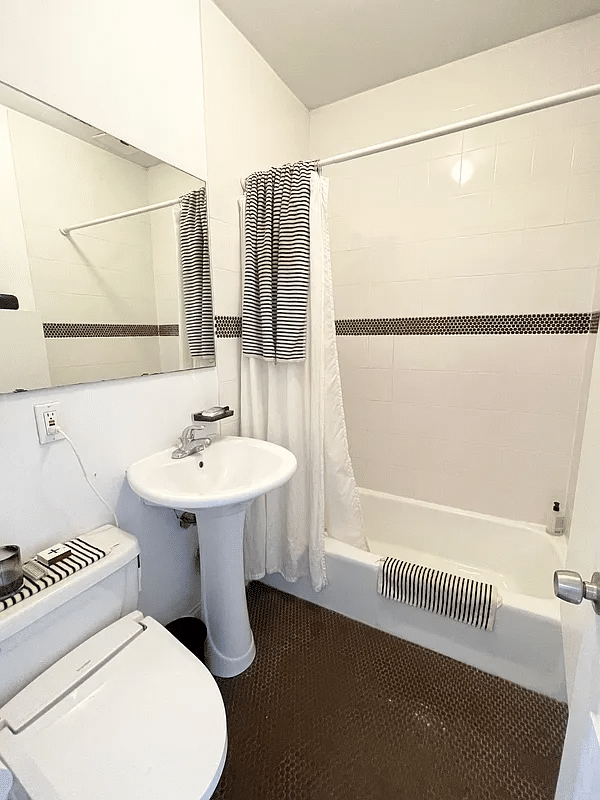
77,330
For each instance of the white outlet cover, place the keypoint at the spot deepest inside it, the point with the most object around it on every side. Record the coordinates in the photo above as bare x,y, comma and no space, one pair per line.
43,435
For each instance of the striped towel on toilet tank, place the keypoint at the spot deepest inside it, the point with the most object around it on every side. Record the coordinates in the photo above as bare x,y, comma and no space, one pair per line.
462,599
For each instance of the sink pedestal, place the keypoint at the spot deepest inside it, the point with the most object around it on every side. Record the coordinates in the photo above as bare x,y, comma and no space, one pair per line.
230,645
218,485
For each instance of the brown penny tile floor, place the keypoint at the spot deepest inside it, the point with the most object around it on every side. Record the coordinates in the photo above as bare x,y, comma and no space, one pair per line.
334,709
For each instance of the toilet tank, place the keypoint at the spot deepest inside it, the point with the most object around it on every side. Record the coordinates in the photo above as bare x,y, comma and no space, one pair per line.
41,629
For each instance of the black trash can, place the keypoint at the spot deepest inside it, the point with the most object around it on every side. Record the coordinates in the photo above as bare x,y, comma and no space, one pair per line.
191,632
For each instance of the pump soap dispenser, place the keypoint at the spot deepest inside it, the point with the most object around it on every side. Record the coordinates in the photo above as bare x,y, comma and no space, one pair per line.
556,520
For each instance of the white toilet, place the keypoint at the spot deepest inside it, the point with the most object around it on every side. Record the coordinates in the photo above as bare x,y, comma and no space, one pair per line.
98,702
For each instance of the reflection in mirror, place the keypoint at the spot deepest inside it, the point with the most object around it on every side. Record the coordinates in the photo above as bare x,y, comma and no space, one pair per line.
120,298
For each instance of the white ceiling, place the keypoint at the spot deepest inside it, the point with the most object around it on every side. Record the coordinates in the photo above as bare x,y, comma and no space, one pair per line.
326,50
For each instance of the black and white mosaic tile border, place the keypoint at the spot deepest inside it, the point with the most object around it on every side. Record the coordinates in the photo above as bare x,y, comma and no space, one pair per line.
168,330
95,330
228,327
585,322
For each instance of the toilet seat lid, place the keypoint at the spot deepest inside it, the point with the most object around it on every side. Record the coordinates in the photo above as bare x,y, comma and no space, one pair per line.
147,724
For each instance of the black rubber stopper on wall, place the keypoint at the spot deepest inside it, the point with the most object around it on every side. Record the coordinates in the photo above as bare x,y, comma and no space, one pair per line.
9,301
191,632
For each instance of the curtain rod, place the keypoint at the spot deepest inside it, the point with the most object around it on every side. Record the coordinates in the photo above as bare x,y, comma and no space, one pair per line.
134,211
457,127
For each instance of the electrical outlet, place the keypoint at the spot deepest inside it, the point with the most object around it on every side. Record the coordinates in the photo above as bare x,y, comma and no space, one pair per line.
46,418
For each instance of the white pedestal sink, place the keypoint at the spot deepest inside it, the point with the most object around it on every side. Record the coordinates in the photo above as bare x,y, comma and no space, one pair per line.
217,486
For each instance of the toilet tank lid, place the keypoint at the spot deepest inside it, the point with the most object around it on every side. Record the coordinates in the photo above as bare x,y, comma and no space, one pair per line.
121,548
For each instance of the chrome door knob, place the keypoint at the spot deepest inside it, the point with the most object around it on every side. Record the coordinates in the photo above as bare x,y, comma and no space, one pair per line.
570,586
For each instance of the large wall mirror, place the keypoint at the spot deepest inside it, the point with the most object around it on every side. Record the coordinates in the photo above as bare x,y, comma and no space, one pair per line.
129,296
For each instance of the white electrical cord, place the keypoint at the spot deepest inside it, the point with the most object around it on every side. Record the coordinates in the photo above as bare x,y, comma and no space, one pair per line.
85,475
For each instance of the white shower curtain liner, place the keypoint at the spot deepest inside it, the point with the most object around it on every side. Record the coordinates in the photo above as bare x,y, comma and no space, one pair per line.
299,406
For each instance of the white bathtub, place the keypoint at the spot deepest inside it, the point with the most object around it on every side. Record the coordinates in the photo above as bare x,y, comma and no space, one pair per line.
520,558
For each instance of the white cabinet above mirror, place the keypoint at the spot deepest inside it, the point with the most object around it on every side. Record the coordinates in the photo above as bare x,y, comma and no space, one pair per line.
105,300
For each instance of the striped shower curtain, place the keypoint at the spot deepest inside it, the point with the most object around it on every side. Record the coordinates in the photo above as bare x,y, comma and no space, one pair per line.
295,402
195,274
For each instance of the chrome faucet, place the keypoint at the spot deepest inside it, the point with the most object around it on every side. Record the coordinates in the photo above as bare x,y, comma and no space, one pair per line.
189,444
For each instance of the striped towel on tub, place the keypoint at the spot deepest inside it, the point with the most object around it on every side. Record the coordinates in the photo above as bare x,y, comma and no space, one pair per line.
462,599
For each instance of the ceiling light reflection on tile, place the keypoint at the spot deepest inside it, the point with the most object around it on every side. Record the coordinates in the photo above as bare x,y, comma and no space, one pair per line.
463,171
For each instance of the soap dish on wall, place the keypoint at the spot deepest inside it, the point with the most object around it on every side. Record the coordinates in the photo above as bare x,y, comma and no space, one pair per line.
214,414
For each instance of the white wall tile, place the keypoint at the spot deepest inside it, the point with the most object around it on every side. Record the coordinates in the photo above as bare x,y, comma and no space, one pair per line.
370,446
470,213
403,450
355,412
229,395
381,352
350,301
502,219
546,203
414,180
227,292
446,145
509,208
396,480
583,200
369,384
484,136
353,352
505,252
513,163
444,179
477,170
224,245
516,129
585,152
562,246
376,416
353,267
553,155
228,353
403,299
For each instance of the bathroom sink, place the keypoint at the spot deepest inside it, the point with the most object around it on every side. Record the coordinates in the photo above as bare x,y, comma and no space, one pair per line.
232,470
218,484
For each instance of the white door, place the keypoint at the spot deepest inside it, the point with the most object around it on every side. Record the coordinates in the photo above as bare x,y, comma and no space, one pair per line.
579,777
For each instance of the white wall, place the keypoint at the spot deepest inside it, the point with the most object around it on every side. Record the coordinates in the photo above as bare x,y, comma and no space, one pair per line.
134,70
45,499
504,219
253,122
155,103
